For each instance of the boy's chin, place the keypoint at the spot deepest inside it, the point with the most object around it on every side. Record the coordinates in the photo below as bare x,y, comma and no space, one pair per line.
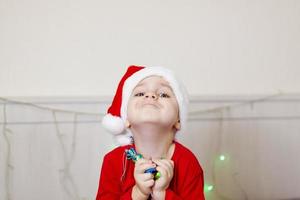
143,121
152,122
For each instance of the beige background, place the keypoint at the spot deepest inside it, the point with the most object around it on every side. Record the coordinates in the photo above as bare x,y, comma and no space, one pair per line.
81,47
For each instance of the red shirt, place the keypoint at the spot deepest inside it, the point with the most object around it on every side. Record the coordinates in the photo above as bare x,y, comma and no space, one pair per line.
117,180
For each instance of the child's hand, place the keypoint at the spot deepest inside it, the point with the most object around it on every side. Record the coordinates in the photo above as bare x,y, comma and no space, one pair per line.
166,168
143,181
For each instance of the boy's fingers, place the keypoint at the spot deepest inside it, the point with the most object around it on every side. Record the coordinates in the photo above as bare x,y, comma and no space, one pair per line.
143,165
146,176
163,160
165,167
169,164
149,183
142,161
163,171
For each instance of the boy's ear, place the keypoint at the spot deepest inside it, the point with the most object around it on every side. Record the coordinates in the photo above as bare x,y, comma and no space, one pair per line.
177,125
127,124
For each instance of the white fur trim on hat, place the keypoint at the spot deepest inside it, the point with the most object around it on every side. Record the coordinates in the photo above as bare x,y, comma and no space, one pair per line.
123,139
114,123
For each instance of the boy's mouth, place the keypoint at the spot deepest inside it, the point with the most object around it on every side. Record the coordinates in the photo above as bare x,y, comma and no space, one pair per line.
150,104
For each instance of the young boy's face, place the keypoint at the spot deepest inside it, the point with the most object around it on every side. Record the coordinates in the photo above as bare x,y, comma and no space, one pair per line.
153,101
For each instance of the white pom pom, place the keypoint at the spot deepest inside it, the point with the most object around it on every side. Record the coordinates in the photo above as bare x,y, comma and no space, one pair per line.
123,139
113,124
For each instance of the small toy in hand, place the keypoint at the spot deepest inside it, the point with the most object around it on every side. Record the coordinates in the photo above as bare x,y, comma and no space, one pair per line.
132,155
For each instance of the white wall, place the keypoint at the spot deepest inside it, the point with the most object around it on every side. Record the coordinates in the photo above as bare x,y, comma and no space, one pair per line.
62,47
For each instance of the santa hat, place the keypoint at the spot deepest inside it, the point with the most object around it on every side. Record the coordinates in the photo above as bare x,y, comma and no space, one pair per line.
114,120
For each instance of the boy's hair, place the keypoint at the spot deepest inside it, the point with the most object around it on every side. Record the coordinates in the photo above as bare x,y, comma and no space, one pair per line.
114,120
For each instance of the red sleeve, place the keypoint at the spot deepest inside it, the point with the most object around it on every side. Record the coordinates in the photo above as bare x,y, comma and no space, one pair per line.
109,184
189,178
193,190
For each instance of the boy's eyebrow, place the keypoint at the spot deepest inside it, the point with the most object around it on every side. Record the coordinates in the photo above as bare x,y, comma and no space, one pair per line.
166,85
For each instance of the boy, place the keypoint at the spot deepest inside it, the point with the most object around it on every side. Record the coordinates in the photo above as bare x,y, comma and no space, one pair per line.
149,108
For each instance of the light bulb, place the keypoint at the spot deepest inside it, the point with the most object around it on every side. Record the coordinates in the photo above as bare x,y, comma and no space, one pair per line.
222,157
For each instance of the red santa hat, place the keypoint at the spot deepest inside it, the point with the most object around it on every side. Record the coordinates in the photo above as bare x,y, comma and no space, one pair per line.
114,120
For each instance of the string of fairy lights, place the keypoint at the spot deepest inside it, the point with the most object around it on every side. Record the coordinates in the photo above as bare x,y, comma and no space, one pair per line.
66,177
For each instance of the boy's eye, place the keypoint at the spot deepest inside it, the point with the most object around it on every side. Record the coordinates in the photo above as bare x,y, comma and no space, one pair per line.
164,95
139,94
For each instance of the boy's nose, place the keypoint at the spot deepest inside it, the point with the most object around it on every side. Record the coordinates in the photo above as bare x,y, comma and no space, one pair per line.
151,95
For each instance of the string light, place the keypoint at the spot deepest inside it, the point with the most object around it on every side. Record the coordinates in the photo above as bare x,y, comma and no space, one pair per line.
222,157
66,175
208,188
